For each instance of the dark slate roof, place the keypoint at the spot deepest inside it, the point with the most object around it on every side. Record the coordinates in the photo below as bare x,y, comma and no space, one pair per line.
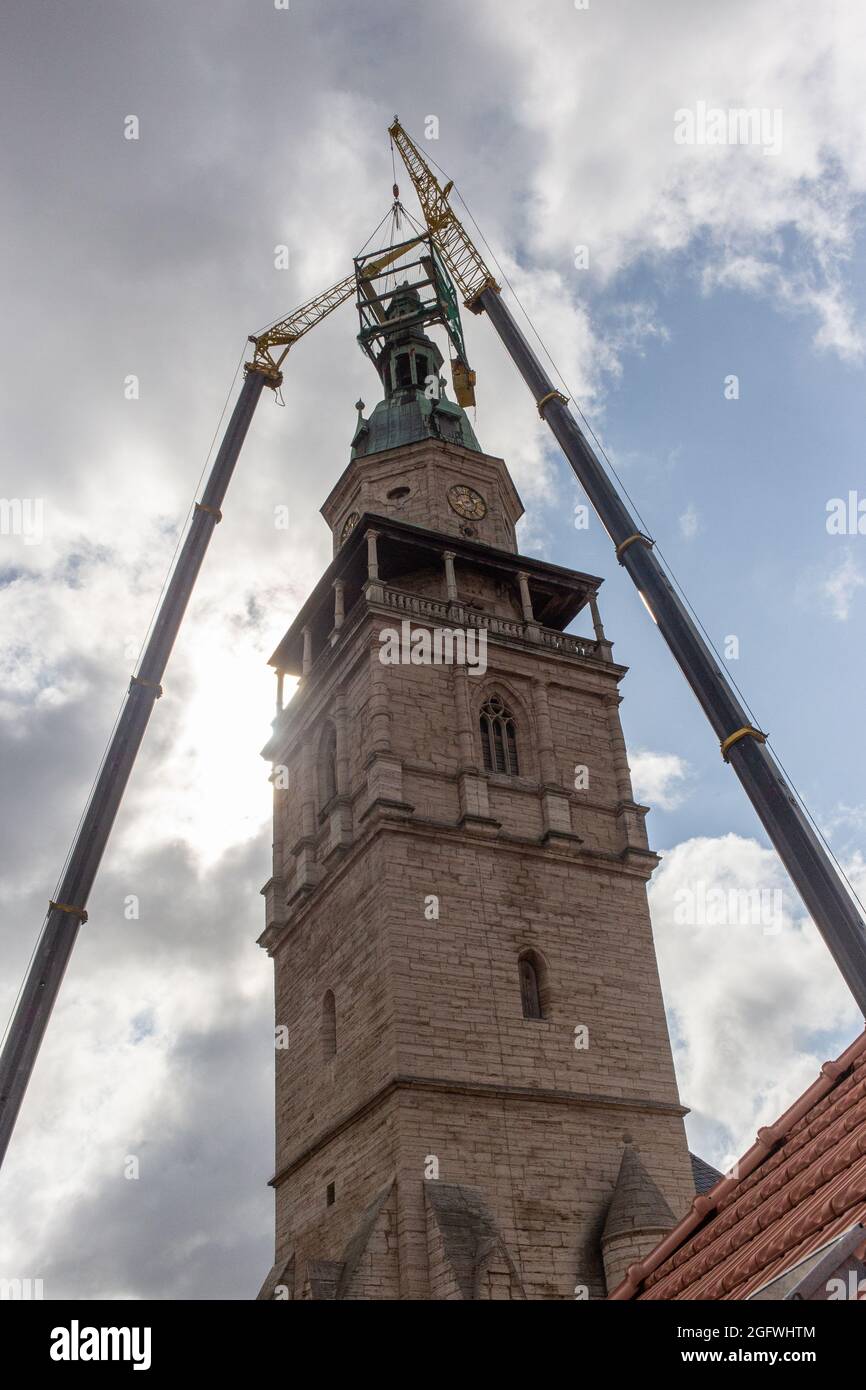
704,1174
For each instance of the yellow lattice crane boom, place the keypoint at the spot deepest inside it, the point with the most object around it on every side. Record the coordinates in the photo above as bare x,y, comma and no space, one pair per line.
266,357
465,265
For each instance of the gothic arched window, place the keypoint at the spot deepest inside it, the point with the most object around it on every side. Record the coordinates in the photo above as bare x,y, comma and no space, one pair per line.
328,1029
499,738
327,766
530,971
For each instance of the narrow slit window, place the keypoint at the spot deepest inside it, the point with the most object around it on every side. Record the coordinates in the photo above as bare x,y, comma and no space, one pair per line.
530,987
328,1032
327,767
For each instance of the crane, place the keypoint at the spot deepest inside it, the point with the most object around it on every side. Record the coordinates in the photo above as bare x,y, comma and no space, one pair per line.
742,745
267,357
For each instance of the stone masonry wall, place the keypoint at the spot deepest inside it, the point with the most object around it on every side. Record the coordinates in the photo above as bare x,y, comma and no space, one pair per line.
412,902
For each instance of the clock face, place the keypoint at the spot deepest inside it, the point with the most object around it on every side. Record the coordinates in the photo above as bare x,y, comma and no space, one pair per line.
348,525
467,502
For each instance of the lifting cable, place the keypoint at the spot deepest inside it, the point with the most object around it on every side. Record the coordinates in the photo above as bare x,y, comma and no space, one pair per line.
375,231
663,561
281,318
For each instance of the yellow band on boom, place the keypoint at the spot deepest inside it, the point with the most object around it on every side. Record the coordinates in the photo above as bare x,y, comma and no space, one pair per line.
630,540
150,685
747,731
551,396
65,907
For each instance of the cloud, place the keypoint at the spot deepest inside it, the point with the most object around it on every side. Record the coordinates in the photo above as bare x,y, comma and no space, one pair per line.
160,1050
690,522
840,586
755,1008
845,815
659,779
608,174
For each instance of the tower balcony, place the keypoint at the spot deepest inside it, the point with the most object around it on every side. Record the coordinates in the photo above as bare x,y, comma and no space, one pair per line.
454,613
448,581
394,605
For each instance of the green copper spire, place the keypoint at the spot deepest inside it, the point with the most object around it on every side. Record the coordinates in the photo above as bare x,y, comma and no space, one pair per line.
416,405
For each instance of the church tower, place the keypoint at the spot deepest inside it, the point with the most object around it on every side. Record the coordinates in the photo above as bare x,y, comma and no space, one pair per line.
475,1095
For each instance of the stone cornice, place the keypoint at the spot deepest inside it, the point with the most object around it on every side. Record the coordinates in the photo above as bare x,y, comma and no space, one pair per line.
455,1086
633,863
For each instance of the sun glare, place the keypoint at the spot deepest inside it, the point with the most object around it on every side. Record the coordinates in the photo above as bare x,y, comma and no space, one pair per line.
213,790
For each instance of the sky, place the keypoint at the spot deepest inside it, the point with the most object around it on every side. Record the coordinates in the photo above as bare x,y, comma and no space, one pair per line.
705,304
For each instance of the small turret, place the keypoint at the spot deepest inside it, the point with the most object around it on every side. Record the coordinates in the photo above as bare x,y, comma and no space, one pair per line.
637,1218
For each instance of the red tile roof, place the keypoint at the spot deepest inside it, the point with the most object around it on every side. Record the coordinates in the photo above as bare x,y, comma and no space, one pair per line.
801,1184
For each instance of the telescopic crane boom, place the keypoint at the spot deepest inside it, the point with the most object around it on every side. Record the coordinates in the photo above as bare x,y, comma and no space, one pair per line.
742,746
68,911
